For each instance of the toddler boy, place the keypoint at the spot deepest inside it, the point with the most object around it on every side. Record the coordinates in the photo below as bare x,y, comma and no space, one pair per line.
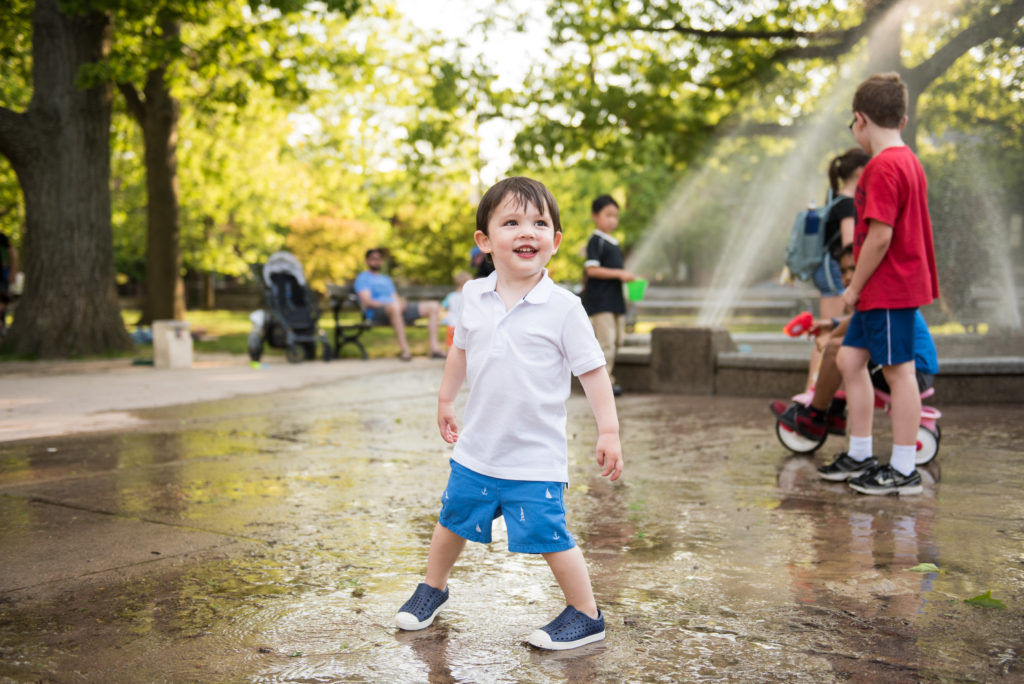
517,339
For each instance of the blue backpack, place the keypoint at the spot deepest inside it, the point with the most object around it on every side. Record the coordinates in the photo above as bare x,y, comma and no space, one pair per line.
807,248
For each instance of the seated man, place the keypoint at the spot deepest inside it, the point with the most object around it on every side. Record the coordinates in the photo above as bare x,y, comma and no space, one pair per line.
382,306
827,413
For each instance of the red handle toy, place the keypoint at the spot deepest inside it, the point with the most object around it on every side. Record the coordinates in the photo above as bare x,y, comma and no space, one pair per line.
800,325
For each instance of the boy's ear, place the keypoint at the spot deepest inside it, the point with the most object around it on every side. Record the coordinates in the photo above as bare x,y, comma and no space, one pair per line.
557,241
482,241
903,122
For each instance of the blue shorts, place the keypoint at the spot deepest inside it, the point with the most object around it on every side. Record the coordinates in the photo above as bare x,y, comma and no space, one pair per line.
821,281
534,511
887,334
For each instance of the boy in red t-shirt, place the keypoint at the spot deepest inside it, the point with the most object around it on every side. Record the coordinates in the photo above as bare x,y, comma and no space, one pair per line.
895,274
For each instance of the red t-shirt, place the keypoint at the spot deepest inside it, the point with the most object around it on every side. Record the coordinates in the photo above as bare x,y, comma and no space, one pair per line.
893,190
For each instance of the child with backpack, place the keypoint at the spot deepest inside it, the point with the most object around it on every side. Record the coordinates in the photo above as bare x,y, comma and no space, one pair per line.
820,235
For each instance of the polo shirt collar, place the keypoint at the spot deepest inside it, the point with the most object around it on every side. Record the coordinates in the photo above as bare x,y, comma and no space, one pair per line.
605,236
540,293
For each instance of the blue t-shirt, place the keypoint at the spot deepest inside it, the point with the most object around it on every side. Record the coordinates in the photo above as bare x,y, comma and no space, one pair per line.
926,359
381,287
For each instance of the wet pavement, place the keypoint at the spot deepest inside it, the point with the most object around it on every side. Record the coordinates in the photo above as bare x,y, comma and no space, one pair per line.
271,538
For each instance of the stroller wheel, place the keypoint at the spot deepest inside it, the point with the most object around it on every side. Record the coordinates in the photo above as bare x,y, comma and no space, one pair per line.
326,351
309,350
294,353
927,445
255,350
795,442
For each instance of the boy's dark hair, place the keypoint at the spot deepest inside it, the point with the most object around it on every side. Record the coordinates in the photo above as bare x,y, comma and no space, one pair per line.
374,250
843,166
883,98
845,251
525,191
601,202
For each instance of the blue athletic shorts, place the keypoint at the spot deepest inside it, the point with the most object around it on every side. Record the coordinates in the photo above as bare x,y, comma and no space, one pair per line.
887,334
534,511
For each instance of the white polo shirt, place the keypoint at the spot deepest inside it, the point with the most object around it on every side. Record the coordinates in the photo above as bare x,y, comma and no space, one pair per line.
518,364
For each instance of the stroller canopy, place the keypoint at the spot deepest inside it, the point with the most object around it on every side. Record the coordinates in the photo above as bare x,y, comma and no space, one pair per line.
283,262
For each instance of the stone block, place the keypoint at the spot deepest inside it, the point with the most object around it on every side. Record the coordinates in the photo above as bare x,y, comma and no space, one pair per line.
172,344
684,360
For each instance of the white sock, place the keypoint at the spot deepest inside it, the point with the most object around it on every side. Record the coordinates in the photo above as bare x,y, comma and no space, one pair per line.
903,458
860,448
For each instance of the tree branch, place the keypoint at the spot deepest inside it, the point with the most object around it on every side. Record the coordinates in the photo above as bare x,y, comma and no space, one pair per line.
136,107
817,44
1001,24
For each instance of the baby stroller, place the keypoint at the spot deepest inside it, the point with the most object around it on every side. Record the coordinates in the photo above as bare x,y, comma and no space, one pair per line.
290,320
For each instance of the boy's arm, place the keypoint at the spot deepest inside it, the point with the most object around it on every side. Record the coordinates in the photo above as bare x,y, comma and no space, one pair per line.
876,244
605,273
599,393
451,383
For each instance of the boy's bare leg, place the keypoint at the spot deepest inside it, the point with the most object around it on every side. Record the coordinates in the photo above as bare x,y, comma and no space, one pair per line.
395,310
905,402
830,307
445,547
570,571
860,395
829,377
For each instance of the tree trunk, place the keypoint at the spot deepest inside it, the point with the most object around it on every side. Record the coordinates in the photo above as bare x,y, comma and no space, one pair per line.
158,113
60,150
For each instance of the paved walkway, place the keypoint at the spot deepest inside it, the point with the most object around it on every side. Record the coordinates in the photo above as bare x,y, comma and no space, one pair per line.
48,398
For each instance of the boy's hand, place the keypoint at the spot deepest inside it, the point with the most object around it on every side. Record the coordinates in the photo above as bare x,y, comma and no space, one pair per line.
446,421
609,455
850,297
820,325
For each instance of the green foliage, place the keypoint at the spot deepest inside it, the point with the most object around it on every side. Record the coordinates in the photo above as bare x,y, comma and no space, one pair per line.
330,248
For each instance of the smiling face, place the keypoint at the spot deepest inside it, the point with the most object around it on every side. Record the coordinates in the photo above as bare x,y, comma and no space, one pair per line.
520,238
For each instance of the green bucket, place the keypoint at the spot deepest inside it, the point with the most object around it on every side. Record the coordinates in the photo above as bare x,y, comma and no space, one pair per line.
635,289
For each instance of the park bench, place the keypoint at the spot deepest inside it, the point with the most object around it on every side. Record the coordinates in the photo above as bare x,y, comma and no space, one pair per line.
343,297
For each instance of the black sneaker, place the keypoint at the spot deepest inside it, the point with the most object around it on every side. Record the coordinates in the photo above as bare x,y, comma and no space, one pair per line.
885,480
421,609
845,468
570,629
835,417
801,419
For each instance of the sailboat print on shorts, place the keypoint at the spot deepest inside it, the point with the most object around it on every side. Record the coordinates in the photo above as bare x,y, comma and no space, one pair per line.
478,528
547,494
522,516
556,537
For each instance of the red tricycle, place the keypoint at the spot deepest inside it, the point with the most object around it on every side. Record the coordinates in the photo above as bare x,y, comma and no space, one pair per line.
928,433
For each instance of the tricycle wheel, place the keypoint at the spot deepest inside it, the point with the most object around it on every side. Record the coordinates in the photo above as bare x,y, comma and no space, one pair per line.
795,442
927,445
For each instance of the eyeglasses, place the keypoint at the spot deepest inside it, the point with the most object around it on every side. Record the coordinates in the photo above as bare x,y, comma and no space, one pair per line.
853,123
